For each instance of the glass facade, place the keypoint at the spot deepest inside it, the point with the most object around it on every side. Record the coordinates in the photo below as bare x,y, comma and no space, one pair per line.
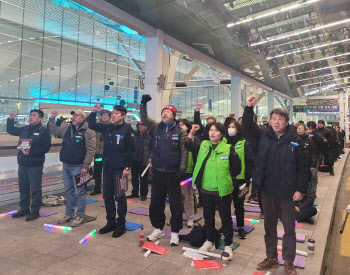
59,52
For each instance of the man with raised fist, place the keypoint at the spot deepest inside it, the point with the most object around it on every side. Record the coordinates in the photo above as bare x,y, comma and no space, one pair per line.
203,132
169,163
34,143
117,158
77,153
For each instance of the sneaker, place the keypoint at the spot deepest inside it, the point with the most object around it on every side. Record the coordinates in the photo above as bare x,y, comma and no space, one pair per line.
267,264
155,235
133,196
78,221
241,233
95,192
174,239
119,232
228,249
143,198
189,223
207,246
21,213
66,219
107,228
32,216
262,216
289,268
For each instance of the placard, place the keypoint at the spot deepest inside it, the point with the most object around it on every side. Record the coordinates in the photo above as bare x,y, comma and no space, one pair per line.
207,264
121,185
82,180
155,248
24,144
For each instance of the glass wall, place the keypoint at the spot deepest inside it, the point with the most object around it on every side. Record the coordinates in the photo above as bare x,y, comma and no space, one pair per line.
216,98
59,52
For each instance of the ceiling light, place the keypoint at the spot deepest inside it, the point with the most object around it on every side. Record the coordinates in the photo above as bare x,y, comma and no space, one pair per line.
324,68
321,76
325,81
328,57
293,7
302,32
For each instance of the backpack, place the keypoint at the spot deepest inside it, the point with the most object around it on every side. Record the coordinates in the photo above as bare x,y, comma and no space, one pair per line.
53,200
197,237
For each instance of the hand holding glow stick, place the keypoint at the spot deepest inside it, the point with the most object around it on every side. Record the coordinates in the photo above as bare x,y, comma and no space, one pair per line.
144,171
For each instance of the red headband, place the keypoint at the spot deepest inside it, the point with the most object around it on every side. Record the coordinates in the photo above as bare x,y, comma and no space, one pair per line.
170,107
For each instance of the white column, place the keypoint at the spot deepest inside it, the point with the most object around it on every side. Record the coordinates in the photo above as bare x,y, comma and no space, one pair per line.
341,109
236,99
346,126
270,101
153,69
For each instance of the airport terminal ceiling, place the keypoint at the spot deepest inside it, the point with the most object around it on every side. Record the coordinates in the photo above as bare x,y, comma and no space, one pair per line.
296,47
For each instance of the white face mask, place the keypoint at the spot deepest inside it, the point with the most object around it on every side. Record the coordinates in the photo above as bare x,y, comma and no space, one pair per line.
232,132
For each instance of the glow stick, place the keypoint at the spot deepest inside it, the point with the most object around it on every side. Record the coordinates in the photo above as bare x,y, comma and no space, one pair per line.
88,236
210,254
144,171
64,228
137,117
8,213
148,252
248,219
186,181
299,252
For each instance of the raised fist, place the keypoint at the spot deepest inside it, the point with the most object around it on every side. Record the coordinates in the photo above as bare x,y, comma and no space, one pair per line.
232,115
195,128
250,102
199,106
54,114
13,115
145,99
96,108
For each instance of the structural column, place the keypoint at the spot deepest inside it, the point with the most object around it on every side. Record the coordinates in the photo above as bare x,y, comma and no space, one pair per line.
270,101
236,99
153,69
346,126
341,109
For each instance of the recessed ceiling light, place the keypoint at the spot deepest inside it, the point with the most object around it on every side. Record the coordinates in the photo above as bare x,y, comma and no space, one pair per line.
323,68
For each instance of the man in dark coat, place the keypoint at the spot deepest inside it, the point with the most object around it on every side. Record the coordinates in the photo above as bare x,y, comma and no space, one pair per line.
282,173
328,139
30,162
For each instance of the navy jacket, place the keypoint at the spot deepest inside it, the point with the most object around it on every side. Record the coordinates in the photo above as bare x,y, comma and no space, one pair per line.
41,143
119,143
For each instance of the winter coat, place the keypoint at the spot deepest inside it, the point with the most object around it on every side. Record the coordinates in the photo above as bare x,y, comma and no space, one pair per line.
41,143
312,149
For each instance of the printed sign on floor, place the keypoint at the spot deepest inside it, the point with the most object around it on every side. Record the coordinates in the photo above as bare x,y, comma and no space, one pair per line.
155,248
207,264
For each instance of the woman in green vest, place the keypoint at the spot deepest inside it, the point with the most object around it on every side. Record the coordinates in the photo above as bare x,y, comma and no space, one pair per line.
214,174
187,189
243,149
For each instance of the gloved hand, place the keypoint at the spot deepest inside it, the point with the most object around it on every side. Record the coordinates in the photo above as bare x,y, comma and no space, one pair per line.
180,176
145,99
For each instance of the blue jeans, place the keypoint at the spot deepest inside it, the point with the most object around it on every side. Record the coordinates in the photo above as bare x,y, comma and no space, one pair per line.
29,181
75,196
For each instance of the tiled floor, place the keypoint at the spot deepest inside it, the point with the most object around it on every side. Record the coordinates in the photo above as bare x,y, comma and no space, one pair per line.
30,248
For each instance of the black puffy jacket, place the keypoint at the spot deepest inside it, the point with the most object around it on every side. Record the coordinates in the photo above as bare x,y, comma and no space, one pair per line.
312,149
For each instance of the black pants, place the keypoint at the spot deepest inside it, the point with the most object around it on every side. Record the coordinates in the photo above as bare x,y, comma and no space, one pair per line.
306,214
30,187
328,160
223,205
239,207
285,210
165,183
138,182
109,195
98,172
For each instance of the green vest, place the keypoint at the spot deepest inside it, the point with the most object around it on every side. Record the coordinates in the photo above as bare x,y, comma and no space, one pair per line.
239,148
190,163
216,175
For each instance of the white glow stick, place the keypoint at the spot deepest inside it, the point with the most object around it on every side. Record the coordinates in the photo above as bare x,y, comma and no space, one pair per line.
144,171
202,252
148,252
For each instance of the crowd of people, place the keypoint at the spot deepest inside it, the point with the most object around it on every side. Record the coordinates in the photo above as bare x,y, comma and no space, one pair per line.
219,161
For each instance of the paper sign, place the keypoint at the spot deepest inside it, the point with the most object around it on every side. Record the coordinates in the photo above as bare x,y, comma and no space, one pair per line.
121,185
24,144
155,248
207,264
82,180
